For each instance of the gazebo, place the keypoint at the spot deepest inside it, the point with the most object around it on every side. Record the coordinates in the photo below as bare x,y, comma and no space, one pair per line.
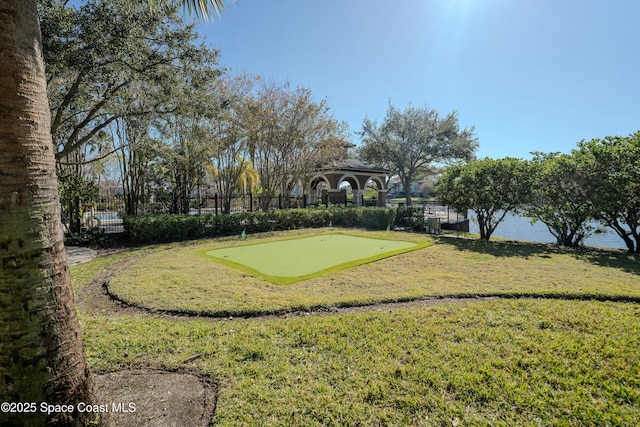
357,174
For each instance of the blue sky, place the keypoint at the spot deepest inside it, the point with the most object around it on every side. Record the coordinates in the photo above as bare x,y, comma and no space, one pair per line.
530,75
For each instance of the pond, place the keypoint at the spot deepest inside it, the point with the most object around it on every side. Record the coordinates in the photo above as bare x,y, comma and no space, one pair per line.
520,228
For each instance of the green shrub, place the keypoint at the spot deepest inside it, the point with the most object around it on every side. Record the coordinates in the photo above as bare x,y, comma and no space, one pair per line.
345,216
227,225
318,217
257,222
164,228
92,238
291,219
378,218
169,228
410,217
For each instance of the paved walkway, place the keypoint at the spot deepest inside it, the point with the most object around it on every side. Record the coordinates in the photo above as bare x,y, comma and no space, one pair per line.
78,255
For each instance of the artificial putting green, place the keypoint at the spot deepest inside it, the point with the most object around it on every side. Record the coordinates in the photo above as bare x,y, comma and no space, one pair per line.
289,261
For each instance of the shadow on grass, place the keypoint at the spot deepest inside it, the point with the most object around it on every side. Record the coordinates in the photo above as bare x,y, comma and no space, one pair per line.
605,258
500,248
626,262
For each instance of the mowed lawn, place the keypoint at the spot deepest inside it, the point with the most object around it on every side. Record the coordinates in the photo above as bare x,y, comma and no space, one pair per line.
179,278
503,362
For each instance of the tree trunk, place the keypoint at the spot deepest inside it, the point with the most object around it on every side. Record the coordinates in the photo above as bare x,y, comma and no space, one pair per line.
482,227
620,231
407,190
41,354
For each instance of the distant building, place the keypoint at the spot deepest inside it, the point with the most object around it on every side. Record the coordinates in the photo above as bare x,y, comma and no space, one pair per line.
422,188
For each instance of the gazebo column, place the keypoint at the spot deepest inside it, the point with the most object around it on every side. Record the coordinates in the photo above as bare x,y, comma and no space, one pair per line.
382,198
357,197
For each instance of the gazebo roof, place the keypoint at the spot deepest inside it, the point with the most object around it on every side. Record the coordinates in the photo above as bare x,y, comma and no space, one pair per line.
354,166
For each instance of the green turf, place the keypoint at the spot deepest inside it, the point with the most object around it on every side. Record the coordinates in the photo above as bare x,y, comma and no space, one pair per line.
292,260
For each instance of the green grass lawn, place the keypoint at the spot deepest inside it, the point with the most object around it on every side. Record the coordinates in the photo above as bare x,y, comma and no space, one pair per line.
176,278
295,259
414,200
501,363
525,362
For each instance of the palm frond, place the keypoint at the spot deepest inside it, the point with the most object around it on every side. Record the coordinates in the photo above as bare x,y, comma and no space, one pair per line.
203,8
197,8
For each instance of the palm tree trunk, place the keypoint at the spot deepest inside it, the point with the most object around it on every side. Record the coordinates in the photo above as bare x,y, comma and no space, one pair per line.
41,354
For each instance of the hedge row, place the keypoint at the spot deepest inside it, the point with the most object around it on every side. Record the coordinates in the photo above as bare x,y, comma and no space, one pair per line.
410,217
171,228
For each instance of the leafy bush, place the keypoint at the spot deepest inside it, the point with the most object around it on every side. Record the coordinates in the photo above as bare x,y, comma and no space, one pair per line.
411,217
256,222
93,238
377,218
319,217
164,228
226,225
290,219
345,216
169,228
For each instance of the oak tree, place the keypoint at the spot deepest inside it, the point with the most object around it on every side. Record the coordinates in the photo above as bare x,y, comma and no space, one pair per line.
560,197
41,354
411,143
613,164
489,187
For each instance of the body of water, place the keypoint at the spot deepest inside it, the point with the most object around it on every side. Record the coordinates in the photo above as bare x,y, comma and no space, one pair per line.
519,228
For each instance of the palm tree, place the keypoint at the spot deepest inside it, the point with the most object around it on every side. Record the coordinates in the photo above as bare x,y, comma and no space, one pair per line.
200,7
248,177
41,354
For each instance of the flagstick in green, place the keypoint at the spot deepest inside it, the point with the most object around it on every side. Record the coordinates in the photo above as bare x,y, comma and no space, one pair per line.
243,234
388,228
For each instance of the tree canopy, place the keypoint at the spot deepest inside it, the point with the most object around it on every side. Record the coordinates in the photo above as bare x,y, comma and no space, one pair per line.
613,165
412,142
597,185
560,197
106,60
489,187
